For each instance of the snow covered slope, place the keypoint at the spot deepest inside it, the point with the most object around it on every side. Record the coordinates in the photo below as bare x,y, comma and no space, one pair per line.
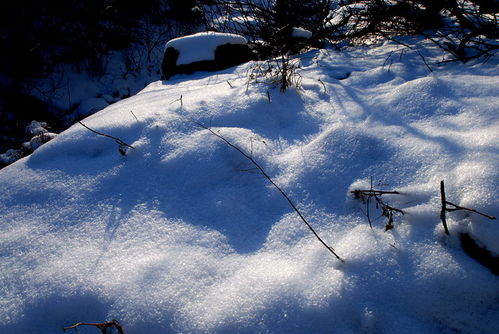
183,235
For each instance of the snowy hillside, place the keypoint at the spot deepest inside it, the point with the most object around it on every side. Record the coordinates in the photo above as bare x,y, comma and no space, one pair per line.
184,235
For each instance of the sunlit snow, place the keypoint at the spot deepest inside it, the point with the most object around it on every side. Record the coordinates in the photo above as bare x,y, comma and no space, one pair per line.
183,235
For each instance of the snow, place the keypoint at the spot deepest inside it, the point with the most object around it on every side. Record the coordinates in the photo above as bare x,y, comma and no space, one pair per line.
301,32
75,94
10,156
202,45
36,128
39,136
183,235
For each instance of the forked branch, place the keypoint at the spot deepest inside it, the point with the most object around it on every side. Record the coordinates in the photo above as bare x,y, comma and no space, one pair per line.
386,210
454,207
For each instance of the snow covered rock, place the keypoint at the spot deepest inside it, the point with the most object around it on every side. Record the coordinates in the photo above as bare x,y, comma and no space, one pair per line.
294,40
39,135
205,51
36,128
301,33
9,157
40,139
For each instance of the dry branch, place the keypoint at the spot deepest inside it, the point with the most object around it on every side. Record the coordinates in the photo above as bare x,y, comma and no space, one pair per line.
120,142
454,207
248,157
323,85
102,326
134,115
386,210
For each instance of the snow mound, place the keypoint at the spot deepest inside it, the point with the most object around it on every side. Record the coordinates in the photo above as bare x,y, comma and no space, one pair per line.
301,32
202,45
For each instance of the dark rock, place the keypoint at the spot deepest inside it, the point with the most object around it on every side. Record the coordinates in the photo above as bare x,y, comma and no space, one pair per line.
226,55
169,64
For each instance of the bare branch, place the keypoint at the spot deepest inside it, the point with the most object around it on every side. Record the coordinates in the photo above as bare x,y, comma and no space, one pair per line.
134,115
386,210
331,249
120,142
102,326
444,207
454,207
323,85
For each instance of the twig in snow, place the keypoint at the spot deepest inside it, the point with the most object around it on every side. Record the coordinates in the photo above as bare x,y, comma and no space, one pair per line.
454,207
134,115
69,98
120,142
102,326
386,210
424,61
229,84
323,85
389,58
411,48
331,249
179,99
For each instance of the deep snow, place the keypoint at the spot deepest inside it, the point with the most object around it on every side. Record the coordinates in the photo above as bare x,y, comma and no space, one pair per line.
183,235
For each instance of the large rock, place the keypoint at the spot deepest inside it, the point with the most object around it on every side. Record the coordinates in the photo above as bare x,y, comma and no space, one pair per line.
208,51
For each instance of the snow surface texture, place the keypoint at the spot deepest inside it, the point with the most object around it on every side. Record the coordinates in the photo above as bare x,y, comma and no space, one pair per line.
202,45
182,235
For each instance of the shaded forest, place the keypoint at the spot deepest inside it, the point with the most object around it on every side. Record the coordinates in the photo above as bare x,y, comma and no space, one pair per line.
38,36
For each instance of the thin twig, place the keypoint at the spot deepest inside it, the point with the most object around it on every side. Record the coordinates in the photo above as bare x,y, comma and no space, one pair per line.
102,326
386,210
120,142
386,60
411,48
444,207
134,115
179,99
69,97
331,249
457,208
454,208
424,61
374,192
323,85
